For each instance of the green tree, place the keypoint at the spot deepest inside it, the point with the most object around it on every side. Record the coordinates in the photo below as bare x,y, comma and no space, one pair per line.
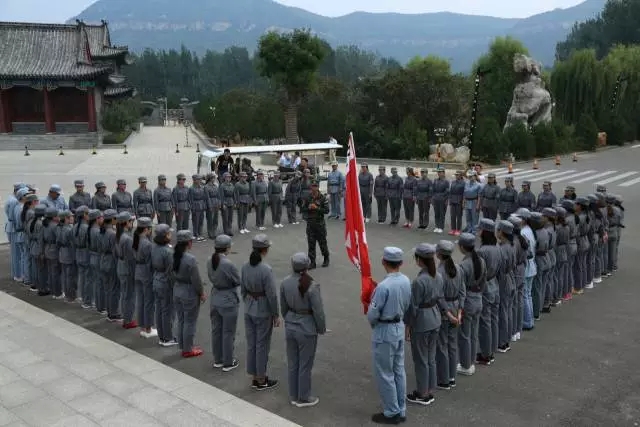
490,145
586,133
519,141
291,61
545,141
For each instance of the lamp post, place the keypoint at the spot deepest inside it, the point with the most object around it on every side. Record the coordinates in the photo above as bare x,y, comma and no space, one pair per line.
616,89
166,109
474,109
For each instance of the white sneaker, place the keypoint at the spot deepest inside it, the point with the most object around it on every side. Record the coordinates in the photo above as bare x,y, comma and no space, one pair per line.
313,401
246,230
262,228
153,333
169,343
518,336
514,338
597,280
280,225
467,372
367,220
589,285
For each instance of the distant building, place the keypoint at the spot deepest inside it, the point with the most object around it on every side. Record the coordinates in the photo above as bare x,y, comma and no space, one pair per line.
55,80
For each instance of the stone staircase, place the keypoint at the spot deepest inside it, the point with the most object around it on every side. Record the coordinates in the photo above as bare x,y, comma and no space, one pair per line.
50,142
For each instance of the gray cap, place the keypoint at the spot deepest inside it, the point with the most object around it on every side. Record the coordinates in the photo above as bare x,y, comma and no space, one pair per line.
94,214
260,241
223,242
181,176
600,196
382,168
162,177
100,184
601,188
549,212
394,169
22,192
81,210
110,214
244,174
40,209
121,182
445,247
162,230
592,198
582,201
467,240
425,250
184,236
611,198
505,226
334,163
516,221
142,179
486,224
440,169
55,188
260,172
64,214
618,199
226,175
18,185
144,222
508,179
300,262
561,212
491,175
195,176
523,213
547,183
30,197
536,218
78,182
276,173
51,212
570,188
568,205
392,254
527,183
123,217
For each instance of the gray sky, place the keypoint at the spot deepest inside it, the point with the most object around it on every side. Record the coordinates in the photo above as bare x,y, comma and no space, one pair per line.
43,11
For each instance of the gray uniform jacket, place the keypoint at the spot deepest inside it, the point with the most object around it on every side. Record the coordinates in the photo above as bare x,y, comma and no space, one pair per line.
526,199
427,301
180,198
615,222
380,186
507,200
552,245
489,195
572,243
107,247
162,267
303,314
562,243
335,182
365,182
456,191
275,189
81,244
546,200
143,202
260,191
409,188
79,199
543,241
126,256
122,201
93,240
390,302
424,189
258,291
521,261
454,289
583,230
225,283
66,254
143,261
35,241
213,196
162,199
441,189
492,260
293,190
188,276
505,274
197,198
101,202
228,194
473,297
243,193
50,239
395,186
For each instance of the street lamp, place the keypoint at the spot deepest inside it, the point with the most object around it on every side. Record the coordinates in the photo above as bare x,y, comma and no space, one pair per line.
166,109
476,97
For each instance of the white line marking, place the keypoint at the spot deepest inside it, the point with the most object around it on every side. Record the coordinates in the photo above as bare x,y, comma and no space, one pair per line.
499,170
635,146
589,178
527,174
518,174
630,183
616,178
503,174
575,175
552,176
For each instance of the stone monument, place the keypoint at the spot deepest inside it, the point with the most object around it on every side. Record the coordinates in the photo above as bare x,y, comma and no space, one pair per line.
531,103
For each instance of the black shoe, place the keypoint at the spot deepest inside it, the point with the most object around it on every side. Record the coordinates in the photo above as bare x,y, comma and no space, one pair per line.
312,266
546,309
326,262
492,358
481,360
537,318
380,418
43,293
452,383
504,348
422,227
267,384
420,400
528,329
229,368
444,386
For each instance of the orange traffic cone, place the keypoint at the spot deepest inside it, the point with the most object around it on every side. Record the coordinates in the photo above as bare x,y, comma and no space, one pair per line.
510,168
557,160
575,157
535,164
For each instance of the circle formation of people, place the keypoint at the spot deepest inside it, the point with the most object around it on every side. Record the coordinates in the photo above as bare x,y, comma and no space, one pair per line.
541,253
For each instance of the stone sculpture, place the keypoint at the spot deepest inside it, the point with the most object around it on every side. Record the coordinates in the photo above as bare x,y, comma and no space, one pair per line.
531,103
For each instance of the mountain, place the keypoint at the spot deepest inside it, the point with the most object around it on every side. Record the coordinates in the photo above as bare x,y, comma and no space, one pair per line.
218,24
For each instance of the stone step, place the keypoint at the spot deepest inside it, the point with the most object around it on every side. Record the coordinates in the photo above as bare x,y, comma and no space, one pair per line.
50,142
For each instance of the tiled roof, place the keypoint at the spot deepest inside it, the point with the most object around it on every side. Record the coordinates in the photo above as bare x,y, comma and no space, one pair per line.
52,51
119,91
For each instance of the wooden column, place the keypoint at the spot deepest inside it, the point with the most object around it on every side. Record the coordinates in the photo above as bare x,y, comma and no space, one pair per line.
3,113
49,122
91,106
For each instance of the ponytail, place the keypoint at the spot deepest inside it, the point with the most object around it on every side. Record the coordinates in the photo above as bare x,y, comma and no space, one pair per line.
119,230
304,283
91,222
136,237
477,264
46,221
32,225
178,253
80,219
488,238
449,266
255,258
430,263
524,243
215,258
25,208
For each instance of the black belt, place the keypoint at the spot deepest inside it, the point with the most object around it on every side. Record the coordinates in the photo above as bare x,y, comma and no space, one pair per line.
276,194
490,278
303,312
140,263
427,305
476,289
224,289
257,294
452,299
394,320
473,198
121,258
541,253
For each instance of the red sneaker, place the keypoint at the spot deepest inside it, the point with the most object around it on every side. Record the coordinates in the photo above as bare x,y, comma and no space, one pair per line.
456,233
195,352
452,233
567,297
131,325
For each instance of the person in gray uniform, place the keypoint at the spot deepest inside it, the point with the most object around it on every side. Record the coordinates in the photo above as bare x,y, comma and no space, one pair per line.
531,270
260,196
163,201
180,202
600,238
424,192
456,198
198,203
488,332
474,273
489,195
569,194
562,255
335,187
395,186
550,280
526,199
275,200
108,266
305,190
507,199
572,247
261,312
546,199
618,204
36,249
143,200
292,197
121,199
126,268
390,304
100,200
66,255
521,246
244,201
409,198
26,217
304,319
80,197
380,191
18,221
506,284
472,205
229,202
365,183
50,240
224,304
214,205
440,199
595,224
188,293
80,244
95,296
55,199
454,292
145,297
543,245
9,228
614,216
162,268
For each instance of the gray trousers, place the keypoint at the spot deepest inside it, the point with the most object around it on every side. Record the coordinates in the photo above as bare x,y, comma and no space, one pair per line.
292,205
197,221
112,291
590,264
505,317
455,210
258,331
145,303
491,213
83,274
580,270
243,212
128,297
53,276
100,292
334,201
549,286
366,205
561,272
605,257
43,275
423,351
517,311
447,352
212,222
488,331
612,259
261,211
597,260
227,220
187,310
69,283
276,209
409,209
164,313
224,322
570,278
394,205
165,218
468,338
424,208
381,202
182,220
439,211
33,267
301,353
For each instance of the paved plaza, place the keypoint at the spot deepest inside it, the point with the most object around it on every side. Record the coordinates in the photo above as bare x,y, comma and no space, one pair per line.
577,368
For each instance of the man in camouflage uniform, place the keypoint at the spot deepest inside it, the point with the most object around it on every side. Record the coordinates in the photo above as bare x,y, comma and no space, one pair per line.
315,207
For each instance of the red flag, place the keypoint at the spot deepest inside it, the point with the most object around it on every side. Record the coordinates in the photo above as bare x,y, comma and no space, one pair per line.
355,234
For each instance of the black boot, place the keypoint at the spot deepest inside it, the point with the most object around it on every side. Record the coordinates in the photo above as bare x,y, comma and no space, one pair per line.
325,263
312,265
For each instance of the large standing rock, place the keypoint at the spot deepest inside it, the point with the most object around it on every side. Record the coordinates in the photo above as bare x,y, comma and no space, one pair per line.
531,103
